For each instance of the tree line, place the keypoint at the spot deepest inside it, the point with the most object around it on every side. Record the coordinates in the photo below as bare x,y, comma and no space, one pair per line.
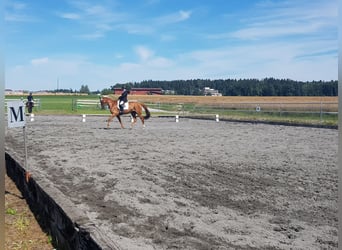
242,87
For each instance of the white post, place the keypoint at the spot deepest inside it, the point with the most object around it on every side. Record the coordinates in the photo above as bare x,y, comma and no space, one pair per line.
217,118
177,118
83,118
32,117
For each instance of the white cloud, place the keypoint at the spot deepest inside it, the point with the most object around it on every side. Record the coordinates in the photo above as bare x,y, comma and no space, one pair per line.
184,15
143,52
42,73
73,16
269,32
92,36
259,60
135,28
97,19
119,56
248,61
286,18
174,17
167,38
39,61
288,41
160,62
16,5
152,2
17,12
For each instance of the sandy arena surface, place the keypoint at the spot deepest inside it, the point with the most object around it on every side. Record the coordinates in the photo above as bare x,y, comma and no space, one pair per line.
195,184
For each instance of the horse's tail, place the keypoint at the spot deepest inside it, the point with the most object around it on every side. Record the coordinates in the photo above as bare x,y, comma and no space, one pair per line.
148,114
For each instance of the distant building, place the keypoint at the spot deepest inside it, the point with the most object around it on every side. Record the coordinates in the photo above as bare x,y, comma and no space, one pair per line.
14,92
141,91
211,92
169,92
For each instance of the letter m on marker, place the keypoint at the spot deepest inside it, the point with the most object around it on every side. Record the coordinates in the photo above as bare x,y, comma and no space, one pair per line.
16,114
18,117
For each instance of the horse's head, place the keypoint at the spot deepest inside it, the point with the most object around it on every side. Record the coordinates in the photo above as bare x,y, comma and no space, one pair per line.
102,102
106,100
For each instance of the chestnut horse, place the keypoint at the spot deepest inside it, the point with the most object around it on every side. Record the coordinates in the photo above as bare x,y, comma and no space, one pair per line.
134,109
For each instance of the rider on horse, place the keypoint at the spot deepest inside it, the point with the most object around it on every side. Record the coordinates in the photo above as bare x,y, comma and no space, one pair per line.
123,98
30,102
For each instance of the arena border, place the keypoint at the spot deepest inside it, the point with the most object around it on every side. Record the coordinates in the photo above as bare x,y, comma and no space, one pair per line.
65,233
257,121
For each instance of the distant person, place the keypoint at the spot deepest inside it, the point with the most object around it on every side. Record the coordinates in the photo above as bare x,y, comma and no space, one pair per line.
123,99
30,103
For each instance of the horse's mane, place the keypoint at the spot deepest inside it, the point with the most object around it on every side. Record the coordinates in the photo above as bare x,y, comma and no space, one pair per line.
108,97
113,99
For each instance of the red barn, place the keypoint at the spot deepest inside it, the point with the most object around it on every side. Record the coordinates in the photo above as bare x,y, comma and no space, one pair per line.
141,91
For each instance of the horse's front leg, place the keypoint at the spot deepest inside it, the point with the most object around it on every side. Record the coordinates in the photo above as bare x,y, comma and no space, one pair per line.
109,120
119,118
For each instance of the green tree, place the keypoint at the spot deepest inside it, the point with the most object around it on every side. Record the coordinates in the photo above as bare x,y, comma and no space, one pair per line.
84,89
107,91
243,87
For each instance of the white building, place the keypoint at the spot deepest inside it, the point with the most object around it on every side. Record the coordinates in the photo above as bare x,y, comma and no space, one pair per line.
211,92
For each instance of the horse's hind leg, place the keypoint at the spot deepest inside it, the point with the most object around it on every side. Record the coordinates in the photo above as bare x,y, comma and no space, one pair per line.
133,120
142,120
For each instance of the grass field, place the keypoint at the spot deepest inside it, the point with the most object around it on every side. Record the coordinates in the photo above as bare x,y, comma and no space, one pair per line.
307,110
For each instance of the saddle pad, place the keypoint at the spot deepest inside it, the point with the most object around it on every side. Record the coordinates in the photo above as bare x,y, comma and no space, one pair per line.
125,106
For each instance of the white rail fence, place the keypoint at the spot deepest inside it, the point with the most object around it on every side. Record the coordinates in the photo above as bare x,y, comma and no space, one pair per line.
321,111
86,104
317,110
37,103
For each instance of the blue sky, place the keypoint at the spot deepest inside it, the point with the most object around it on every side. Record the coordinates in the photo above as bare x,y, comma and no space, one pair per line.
69,43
